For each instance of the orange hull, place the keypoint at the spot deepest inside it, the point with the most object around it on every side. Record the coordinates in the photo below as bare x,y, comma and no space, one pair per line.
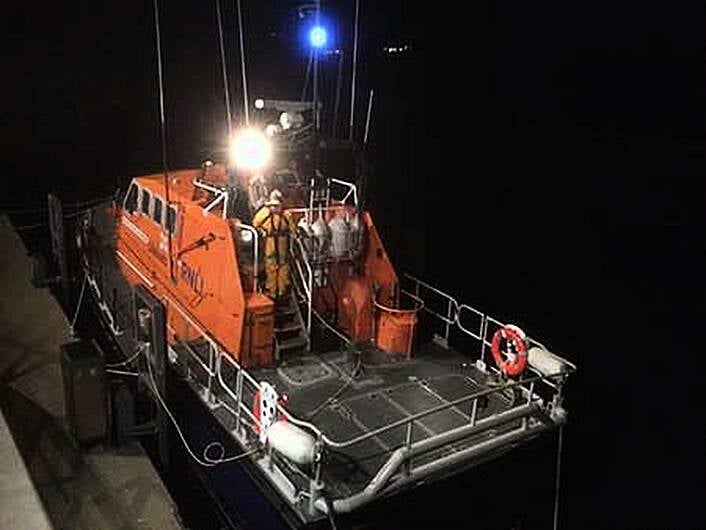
205,277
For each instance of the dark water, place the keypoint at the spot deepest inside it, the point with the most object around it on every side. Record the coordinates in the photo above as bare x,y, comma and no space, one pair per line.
528,159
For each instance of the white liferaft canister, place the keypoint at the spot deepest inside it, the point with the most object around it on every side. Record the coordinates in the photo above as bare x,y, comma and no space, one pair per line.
306,233
319,229
339,237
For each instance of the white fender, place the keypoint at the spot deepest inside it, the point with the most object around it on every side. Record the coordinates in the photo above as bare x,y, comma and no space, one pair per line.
292,442
544,362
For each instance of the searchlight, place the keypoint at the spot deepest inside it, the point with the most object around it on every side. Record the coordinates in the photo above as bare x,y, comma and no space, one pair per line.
250,150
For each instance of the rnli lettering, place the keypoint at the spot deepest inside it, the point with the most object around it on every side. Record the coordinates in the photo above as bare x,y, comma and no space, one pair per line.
191,276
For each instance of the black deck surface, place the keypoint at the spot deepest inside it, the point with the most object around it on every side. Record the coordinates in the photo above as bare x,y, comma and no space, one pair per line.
348,393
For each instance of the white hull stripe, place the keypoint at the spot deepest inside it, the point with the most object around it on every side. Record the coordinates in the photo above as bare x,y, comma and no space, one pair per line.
135,230
134,269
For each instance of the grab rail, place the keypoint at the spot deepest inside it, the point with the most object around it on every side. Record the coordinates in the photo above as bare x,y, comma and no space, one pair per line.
306,281
352,190
453,318
220,195
256,246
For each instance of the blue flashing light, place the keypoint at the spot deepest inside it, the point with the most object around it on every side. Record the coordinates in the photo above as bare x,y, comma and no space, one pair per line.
318,37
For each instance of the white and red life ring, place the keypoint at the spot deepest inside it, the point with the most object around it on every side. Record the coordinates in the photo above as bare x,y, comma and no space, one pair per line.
516,365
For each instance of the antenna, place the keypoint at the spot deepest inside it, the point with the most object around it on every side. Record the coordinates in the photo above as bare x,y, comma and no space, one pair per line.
308,71
367,119
226,94
339,79
355,62
317,123
163,133
242,64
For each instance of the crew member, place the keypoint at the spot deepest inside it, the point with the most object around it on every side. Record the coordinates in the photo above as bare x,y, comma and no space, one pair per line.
275,225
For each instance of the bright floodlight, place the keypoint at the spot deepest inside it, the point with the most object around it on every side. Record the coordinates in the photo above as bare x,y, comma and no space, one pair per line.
259,103
250,150
318,37
271,130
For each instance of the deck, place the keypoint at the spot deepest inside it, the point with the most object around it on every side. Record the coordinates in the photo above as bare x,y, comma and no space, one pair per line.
351,392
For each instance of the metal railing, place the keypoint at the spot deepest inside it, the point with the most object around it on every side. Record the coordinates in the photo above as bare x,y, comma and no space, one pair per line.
221,196
352,190
187,331
400,467
324,200
451,318
256,247
305,274
247,425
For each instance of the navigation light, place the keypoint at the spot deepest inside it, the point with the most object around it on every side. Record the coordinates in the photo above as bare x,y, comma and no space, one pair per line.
318,37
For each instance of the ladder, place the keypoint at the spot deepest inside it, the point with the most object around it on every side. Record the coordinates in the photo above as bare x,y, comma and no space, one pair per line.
319,195
291,337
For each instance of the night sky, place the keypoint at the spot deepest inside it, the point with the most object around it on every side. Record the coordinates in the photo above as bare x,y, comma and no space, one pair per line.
545,161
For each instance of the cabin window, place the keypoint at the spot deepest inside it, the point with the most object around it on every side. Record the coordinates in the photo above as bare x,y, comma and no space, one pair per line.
171,219
130,203
157,210
145,202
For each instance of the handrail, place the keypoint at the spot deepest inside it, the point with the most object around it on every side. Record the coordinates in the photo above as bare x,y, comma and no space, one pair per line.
308,282
289,416
419,305
403,454
434,410
194,355
336,444
333,208
352,189
256,244
302,251
381,482
221,195
455,309
226,388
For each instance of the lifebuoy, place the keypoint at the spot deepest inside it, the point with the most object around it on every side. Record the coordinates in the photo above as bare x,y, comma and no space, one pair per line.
517,337
268,417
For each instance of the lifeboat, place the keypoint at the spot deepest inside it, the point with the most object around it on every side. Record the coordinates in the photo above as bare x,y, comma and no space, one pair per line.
355,383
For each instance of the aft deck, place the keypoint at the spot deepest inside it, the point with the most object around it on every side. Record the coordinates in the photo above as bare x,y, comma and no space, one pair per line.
383,422
350,393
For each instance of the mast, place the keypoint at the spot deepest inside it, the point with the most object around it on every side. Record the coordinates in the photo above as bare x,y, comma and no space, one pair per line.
317,123
242,64
353,75
339,79
163,134
367,118
226,94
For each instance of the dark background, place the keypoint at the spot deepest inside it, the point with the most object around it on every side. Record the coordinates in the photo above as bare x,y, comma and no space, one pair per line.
544,161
